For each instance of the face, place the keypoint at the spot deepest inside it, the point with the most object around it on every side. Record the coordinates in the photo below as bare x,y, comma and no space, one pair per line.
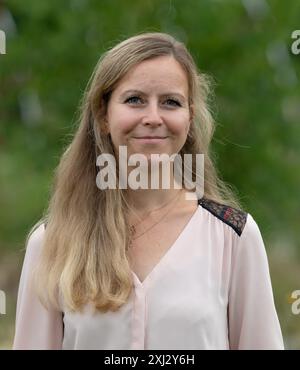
148,111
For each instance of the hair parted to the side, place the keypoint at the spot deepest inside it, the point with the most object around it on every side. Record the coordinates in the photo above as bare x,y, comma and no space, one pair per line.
84,253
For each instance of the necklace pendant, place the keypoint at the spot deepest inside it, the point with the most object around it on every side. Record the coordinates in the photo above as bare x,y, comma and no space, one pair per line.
132,230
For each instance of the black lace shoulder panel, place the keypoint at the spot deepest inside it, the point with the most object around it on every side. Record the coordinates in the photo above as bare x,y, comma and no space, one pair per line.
233,217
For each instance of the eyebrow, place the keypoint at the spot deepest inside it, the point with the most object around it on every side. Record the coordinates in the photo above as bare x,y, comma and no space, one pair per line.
127,92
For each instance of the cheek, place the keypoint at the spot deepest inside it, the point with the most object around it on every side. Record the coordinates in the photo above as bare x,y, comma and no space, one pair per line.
180,127
122,121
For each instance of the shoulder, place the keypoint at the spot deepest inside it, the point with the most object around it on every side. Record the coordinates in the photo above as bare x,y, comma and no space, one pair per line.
34,241
235,218
252,233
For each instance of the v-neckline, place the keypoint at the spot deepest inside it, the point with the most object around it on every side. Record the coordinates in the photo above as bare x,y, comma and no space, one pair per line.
167,255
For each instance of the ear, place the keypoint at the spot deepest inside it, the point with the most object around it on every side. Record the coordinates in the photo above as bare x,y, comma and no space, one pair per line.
192,112
104,126
103,117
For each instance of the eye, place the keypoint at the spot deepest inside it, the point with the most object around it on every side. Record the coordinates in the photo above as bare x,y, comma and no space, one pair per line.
133,99
173,102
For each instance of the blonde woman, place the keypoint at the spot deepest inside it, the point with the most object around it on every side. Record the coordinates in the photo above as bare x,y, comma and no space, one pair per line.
144,268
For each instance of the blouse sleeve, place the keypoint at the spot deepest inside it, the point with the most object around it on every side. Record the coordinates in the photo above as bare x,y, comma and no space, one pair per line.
36,327
253,321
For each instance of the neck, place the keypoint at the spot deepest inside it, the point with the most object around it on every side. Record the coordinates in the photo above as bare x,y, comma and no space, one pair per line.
143,200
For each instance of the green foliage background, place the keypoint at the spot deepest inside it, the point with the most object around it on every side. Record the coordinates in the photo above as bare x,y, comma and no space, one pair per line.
246,48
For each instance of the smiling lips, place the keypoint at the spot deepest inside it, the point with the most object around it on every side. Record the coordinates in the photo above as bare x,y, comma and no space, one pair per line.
151,137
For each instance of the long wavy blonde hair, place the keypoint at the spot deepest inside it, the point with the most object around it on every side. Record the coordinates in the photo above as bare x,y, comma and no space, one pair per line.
84,255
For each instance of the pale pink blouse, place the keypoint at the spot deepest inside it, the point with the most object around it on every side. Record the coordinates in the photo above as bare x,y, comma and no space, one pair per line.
211,290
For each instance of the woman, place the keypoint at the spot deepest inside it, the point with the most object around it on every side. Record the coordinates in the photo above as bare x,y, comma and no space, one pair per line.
125,268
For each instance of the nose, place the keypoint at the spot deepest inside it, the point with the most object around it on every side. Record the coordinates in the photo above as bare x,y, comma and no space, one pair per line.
152,115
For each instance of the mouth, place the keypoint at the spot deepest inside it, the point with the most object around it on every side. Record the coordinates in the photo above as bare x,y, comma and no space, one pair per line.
150,139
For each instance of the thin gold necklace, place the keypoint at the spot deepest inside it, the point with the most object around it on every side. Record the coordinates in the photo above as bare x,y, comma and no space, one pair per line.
133,230
133,227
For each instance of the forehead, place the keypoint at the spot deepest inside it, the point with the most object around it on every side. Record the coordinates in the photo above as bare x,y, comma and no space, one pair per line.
155,74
